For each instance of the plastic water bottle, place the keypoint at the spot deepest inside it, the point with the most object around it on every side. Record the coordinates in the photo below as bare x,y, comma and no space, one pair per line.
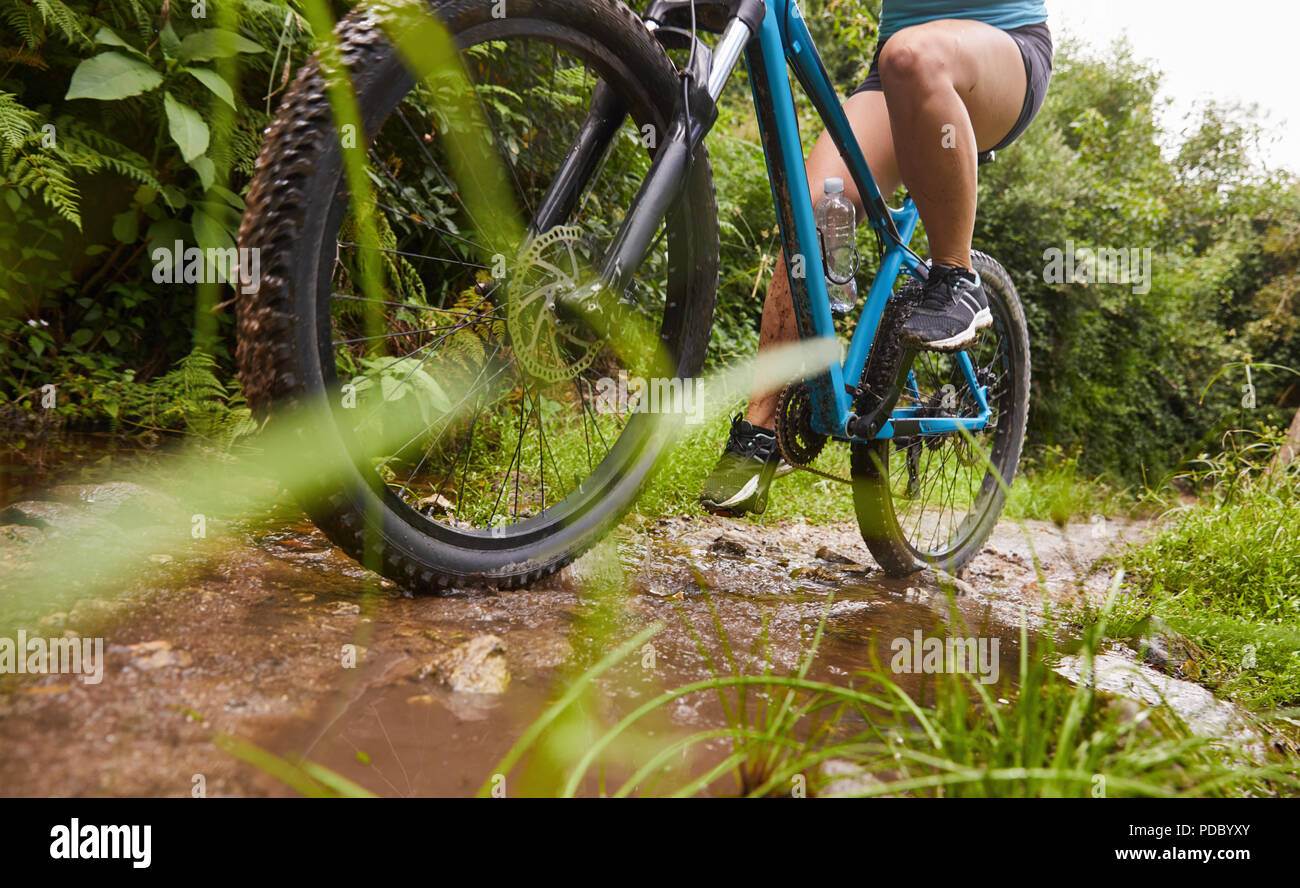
837,221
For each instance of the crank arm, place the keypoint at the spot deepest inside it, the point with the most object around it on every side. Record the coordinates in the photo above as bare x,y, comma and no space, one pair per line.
865,426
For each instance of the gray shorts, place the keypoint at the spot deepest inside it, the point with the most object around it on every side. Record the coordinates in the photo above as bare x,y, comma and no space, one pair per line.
1035,42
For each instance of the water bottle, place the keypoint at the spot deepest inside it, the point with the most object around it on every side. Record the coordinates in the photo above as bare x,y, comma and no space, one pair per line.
837,223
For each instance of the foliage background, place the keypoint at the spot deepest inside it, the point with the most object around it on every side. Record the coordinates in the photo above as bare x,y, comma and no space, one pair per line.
1118,377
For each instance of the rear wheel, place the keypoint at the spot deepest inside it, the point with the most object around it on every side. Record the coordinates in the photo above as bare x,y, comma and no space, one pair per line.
464,424
933,500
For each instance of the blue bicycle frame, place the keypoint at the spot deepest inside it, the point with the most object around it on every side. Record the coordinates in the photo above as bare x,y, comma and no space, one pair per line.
783,36
770,33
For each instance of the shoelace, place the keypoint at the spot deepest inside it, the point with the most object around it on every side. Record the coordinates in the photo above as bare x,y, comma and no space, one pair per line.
937,295
751,445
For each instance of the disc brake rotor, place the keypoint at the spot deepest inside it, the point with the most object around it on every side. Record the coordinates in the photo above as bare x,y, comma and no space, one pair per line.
551,265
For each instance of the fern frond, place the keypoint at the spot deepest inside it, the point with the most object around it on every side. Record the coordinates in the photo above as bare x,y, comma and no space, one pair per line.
17,121
191,395
109,152
48,175
131,15
238,151
26,23
65,21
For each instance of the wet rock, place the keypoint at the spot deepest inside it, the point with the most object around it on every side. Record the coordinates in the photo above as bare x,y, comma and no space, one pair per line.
730,544
815,572
54,517
826,553
149,655
345,609
476,667
1129,711
1204,714
957,584
300,544
123,504
1161,647
101,497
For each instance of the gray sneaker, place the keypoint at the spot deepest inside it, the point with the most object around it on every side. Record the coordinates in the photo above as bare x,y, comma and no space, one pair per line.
953,308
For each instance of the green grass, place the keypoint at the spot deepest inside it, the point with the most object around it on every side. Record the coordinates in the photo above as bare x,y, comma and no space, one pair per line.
1050,488
1225,572
1047,488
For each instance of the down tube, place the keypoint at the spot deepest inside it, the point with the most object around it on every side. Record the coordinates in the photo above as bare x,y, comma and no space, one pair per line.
779,128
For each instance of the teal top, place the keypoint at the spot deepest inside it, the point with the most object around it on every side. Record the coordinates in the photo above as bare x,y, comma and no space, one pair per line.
1004,14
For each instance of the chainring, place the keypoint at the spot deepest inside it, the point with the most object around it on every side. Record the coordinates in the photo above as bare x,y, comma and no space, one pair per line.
800,445
548,347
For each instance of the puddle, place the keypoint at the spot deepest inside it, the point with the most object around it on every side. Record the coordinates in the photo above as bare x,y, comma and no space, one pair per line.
396,734
257,637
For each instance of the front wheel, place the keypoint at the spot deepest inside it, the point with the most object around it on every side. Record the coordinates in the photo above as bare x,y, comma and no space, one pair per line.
458,421
933,500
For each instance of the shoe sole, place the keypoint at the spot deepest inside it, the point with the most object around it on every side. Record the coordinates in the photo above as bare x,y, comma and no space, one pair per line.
735,505
958,342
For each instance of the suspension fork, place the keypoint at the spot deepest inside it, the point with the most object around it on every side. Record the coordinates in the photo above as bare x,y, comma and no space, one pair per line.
604,119
694,116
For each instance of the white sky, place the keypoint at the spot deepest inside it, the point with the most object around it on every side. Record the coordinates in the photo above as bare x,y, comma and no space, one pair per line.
1244,50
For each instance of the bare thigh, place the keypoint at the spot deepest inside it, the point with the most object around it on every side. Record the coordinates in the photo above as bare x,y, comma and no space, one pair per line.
981,63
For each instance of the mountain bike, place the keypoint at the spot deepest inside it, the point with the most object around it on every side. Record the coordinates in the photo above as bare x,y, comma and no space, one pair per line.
455,403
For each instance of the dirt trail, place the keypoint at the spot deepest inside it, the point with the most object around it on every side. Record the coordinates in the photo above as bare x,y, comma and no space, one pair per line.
257,639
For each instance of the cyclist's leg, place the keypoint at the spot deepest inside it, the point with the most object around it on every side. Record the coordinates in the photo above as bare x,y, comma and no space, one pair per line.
870,122
738,483
954,88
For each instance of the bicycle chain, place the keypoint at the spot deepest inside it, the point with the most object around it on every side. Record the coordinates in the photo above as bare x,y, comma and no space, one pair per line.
784,434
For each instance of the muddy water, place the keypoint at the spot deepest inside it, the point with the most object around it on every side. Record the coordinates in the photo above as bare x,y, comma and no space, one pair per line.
394,734
711,586
251,641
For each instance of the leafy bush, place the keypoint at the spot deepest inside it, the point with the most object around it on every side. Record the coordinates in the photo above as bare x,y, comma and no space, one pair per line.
152,116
